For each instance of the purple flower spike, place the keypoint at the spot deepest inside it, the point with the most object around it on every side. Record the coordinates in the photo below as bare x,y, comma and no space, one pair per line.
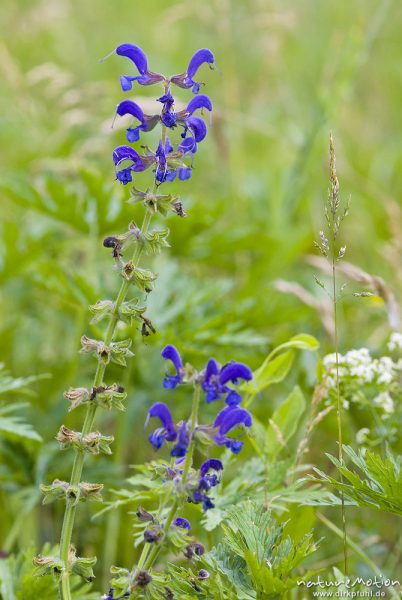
172,354
234,371
138,57
211,463
182,523
167,432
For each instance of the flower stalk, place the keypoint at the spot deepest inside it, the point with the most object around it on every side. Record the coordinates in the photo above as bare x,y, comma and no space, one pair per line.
71,506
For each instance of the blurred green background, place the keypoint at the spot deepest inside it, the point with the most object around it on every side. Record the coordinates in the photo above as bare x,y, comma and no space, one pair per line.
289,73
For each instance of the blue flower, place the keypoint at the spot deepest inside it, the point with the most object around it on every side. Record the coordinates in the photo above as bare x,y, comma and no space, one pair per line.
212,463
185,80
138,163
216,378
182,523
110,595
167,431
138,57
226,420
162,171
206,481
171,353
168,116
147,122
183,439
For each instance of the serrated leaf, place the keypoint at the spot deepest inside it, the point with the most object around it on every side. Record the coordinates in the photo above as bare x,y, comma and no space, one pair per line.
381,488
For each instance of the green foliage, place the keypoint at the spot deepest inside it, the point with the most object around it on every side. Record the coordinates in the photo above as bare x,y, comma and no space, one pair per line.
254,208
19,580
278,363
255,555
14,425
284,423
381,487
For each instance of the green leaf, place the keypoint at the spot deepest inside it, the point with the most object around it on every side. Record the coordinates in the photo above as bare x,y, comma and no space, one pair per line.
15,425
284,422
271,371
275,368
381,488
302,341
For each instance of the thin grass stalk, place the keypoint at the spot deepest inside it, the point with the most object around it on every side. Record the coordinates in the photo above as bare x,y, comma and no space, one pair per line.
334,227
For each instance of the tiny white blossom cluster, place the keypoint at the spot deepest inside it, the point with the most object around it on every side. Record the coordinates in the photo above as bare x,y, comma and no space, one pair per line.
395,342
357,368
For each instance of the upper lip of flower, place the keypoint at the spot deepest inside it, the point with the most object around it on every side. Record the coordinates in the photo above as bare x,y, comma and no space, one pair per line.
168,431
227,419
216,378
186,80
211,463
171,353
139,58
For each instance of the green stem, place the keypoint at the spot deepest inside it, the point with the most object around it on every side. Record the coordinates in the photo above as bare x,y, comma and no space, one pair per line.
156,549
338,396
194,421
70,510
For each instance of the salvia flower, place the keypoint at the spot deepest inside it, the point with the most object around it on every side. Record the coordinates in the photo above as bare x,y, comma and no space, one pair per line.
167,431
146,122
227,419
110,595
182,523
206,481
216,380
168,116
180,448
185,80
173,355
138,57
168,160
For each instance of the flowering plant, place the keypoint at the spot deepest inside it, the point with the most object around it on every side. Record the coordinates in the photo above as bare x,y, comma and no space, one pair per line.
167,163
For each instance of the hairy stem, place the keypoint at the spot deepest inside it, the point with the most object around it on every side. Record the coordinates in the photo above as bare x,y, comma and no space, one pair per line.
70,510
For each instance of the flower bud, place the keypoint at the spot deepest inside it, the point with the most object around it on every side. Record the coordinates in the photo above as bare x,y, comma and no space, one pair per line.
151,536
143,578
143,515
203,574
